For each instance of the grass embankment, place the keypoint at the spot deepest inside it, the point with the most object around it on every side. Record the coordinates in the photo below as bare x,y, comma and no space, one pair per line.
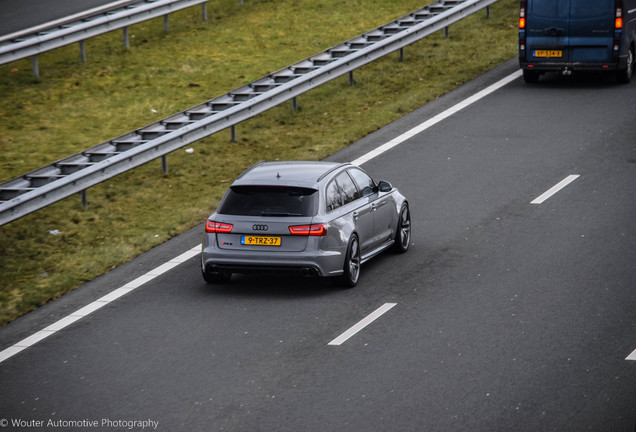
75,106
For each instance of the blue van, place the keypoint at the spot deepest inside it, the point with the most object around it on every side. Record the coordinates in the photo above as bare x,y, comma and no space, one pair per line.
570,35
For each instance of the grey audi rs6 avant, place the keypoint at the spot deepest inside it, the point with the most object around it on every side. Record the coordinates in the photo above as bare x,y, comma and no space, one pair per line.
306,218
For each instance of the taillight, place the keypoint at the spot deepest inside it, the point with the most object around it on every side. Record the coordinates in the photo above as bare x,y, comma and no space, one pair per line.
218,227
522,15
309,230
618,24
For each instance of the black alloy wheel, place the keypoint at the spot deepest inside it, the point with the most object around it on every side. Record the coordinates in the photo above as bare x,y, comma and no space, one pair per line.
403,232
349,278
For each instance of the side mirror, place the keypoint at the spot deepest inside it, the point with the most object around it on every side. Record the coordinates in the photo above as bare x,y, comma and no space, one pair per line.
385,186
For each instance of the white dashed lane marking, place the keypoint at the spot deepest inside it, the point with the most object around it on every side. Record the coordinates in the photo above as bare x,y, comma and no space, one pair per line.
362,324
554,189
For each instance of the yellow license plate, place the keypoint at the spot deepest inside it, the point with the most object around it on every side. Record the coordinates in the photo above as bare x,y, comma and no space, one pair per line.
260,241
548,53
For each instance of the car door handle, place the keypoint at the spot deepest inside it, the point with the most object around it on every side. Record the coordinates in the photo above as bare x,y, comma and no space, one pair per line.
554,31
355,215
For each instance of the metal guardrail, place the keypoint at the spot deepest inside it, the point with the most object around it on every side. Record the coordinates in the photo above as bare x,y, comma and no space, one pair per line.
79,27
49,184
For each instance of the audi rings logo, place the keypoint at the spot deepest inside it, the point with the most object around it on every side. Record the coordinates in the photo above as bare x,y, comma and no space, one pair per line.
257,227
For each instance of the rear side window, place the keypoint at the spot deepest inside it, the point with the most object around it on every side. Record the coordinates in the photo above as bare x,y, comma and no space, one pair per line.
269,201
348,188
341,191
334,199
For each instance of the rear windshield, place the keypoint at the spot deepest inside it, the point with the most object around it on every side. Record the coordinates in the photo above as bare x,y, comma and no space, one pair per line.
572,8
591,9
269,201
548,8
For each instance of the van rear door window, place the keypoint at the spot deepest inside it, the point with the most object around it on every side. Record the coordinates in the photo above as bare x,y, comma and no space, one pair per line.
591,9
550,8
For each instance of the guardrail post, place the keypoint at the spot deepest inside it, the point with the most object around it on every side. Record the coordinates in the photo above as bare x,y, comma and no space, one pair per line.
84,198
445,32
166,24
82,51
126,41
294,104
232,134
401,54
36,67
204,11
164,164
351,80
488,11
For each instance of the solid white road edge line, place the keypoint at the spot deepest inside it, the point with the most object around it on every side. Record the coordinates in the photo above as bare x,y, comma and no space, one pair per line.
438,118
632,356
362,324
64,322
554,189
97,304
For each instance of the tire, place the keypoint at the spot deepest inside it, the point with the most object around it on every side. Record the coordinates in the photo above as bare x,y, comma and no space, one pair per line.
625,75
530,76
216,278
403,231
351,275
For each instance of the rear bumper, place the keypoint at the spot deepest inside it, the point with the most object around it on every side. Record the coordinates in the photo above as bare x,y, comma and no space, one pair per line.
617,63
560,66
309,270
307,263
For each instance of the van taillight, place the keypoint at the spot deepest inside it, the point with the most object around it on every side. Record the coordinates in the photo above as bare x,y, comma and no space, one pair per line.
309,230
218,227
522,15
618,22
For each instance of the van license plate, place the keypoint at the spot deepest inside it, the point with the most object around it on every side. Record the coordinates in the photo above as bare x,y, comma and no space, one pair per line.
548,53
260,241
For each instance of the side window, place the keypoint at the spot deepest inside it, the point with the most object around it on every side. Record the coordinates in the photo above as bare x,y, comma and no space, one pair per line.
348,189
333,196
364,182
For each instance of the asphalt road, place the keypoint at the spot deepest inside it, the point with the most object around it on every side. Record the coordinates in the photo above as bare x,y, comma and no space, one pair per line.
508,316
19,15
